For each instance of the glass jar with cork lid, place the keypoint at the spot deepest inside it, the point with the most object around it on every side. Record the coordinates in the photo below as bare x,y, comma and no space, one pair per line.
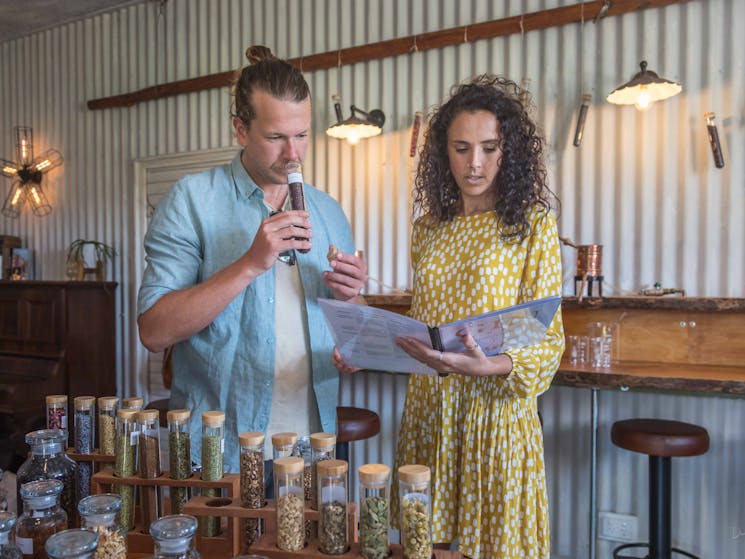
148,460
179,456
283,444
252,482
374,510
107,424
84,419
126,461
290,502
416,511
133,403
57,411
333,496
322,447
213,448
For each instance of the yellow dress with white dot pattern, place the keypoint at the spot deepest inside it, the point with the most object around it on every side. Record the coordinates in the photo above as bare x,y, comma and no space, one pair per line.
481,437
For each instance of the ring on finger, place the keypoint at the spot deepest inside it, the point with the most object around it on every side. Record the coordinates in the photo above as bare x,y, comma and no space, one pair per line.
472,347
440,357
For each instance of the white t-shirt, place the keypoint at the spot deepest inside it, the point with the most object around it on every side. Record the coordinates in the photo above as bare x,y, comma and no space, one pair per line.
294,406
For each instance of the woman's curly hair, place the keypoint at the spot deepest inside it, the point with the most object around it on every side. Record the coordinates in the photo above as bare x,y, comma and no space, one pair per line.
521,181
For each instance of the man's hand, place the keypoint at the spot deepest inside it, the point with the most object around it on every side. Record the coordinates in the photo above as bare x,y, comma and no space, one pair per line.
347,277
275,235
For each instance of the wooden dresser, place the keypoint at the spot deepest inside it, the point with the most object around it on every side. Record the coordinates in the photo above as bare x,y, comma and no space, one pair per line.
55,338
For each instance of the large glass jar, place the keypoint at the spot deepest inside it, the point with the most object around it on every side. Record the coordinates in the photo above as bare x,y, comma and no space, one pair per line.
252,483
416,511
179,456
107,424
100,513
213,447
42,516
290,502
322,447
333,496
283,444
374,510
8,548
173,537
85,414
148,446
126,460
49,461
72,544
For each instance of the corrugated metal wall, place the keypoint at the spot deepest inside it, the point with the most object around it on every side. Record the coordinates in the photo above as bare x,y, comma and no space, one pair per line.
642,184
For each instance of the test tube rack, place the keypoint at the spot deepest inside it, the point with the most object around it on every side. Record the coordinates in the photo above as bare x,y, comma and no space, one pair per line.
139,540
267,544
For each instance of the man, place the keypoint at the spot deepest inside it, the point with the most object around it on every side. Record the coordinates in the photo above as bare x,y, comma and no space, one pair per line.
226,281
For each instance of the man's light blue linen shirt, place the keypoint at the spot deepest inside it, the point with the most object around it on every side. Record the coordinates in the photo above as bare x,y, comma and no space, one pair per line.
206,222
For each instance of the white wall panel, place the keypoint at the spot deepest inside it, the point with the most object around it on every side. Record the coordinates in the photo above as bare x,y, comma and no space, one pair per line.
642,184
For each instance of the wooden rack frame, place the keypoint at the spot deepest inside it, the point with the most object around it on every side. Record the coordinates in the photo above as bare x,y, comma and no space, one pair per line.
140,541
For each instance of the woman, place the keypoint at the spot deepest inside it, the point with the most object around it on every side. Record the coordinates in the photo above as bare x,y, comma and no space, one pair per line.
486,240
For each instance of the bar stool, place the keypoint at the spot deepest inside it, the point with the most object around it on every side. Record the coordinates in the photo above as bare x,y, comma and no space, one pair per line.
354,424
660,439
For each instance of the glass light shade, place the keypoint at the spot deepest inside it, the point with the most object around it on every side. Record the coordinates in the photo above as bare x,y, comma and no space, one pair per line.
14,200
8,168
644,89
37,198
51,159
354,128
24,145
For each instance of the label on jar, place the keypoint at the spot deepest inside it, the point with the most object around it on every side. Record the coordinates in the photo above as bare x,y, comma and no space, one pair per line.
26,545
222,445
133,436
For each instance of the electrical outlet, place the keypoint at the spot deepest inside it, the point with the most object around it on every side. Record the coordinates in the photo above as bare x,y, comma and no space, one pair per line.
617,527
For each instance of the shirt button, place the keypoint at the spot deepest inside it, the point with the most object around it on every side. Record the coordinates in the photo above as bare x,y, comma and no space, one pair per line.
271,300
268,340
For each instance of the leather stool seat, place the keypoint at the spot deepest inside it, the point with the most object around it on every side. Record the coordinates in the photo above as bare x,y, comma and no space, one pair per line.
355,424
661,440
660,437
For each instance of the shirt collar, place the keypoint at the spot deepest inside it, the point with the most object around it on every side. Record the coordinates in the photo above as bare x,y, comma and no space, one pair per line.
245,185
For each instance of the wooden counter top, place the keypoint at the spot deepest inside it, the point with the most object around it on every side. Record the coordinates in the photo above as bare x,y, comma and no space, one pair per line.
646,375
671,343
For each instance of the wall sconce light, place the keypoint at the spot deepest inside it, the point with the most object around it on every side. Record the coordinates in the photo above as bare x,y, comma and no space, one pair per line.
28,173
644,89
354,128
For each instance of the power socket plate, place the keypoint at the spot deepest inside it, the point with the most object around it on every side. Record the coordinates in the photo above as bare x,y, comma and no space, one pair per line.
617,527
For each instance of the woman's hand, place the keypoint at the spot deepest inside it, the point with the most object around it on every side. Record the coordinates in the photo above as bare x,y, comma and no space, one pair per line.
471,361
339,363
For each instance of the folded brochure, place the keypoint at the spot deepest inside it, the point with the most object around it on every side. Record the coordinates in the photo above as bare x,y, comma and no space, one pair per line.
366,336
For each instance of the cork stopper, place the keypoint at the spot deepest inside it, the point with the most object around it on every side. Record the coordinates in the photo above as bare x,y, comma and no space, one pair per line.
414,473
252,438
213,418
332,467
284,439
107,402
178,416
288,465
322,440
126,415
133,402
84,402
148,415
57,399
373,473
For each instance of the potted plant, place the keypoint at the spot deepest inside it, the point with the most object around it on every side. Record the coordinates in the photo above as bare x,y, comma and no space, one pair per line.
78,267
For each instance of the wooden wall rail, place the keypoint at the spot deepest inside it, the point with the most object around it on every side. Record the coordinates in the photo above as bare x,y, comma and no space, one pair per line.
583,11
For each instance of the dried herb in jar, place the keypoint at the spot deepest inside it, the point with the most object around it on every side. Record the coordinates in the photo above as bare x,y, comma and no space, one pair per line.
333,528
374,528
290,530
415,529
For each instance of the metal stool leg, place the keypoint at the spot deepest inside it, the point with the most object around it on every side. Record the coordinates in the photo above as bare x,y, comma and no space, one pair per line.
659,507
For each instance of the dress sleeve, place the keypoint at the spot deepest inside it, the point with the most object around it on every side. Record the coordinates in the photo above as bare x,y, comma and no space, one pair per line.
533,367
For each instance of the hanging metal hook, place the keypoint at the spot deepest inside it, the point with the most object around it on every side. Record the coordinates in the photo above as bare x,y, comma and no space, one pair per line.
603,10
